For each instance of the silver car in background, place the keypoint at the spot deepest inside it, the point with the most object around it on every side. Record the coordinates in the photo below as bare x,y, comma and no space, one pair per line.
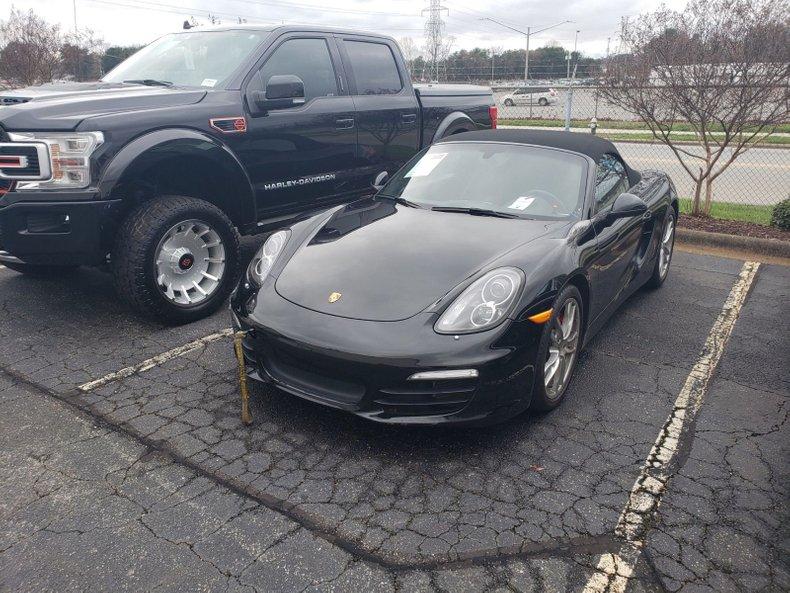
530,96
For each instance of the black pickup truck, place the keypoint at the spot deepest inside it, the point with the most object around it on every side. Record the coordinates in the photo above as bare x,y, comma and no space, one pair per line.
199,137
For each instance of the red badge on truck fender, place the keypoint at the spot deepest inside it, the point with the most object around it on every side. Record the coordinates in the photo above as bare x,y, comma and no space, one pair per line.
229,125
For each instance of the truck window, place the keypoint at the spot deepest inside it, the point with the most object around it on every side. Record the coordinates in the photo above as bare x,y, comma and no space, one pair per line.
375,70
308,59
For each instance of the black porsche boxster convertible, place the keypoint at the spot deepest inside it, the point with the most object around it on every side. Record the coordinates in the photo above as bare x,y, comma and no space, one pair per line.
463,290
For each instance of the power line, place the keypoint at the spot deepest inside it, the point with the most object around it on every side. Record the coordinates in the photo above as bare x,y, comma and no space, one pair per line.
183,11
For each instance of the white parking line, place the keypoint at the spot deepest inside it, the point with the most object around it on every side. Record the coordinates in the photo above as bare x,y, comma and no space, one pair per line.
613,571
156,360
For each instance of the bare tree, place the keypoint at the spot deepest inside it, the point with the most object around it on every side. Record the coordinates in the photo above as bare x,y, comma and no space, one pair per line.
720,65
30,48
410,51
80,55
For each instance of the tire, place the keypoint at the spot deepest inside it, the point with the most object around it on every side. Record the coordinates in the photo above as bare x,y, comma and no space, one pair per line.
509,103
44,271
543,102
543,399
143,246
660,272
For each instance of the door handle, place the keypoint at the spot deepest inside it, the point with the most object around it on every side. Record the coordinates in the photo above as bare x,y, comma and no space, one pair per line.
409,118
345,123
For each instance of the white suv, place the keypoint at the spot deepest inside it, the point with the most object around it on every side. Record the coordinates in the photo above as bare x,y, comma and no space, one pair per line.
530,95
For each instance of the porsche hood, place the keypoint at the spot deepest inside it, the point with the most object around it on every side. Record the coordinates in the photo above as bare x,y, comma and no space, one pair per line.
378,261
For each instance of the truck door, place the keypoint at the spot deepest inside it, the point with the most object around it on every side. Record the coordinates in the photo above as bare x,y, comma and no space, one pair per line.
388,114
302,155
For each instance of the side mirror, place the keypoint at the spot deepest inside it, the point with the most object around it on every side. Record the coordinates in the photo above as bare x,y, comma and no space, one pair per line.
282,91
381,180
627,206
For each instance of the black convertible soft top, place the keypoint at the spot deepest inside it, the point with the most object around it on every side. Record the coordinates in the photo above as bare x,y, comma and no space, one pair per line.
586,144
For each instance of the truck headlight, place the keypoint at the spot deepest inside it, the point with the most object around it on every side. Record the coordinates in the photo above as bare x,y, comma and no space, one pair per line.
69,157
484,304
263,262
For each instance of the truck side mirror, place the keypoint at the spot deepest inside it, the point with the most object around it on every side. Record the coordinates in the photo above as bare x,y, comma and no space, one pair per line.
381,180
282,91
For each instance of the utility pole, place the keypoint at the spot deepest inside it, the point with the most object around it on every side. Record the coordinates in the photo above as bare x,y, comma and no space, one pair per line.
74,6
493,55
526,33
573,56
434,33
526,60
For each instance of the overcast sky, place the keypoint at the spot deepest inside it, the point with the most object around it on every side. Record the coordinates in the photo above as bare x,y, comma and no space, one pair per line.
125,22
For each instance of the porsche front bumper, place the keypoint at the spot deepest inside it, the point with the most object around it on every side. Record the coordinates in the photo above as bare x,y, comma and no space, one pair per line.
366,367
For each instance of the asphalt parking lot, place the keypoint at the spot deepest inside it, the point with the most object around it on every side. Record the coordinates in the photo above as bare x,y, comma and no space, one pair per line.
145,479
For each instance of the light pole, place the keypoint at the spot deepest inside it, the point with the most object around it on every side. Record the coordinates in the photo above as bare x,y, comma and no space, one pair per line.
526,33
493,55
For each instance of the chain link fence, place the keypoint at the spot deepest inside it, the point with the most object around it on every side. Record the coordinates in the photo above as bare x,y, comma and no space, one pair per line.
747,190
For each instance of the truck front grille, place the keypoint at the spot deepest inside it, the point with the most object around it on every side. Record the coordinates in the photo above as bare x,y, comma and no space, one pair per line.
33,168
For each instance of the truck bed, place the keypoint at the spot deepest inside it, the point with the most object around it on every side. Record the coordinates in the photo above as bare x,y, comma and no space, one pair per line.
437,101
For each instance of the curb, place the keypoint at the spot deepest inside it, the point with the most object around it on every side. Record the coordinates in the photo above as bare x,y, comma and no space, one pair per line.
773,247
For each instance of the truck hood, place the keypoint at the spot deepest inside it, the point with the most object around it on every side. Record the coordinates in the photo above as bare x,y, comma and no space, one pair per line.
389,262
62,107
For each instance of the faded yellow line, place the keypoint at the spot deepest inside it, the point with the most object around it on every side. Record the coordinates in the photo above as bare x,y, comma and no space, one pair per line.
614,571
155,360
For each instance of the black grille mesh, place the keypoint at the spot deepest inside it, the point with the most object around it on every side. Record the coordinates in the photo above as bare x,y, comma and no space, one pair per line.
32,170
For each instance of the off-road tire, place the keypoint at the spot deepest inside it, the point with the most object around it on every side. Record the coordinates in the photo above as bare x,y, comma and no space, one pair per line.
543,102
509,103
134,250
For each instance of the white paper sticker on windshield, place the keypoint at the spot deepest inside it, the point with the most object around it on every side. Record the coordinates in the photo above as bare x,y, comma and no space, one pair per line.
427,164
522,203
209,82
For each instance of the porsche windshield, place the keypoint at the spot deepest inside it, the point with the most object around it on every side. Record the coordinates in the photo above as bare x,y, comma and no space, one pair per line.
493,178
200,58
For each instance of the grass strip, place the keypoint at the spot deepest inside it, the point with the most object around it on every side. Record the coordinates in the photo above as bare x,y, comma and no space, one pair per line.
756,213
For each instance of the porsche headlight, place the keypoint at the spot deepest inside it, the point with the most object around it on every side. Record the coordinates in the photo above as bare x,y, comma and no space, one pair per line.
483,304
69,158
263,262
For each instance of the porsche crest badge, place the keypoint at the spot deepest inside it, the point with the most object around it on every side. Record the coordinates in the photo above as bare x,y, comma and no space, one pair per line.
334,297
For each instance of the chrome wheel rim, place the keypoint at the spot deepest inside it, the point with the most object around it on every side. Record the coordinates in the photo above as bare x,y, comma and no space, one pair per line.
667,242
563,345
190,263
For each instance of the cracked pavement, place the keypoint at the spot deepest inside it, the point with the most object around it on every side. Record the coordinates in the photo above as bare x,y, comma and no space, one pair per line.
151,482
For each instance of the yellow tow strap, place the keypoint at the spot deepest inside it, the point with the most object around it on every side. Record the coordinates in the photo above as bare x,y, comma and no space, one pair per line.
246,417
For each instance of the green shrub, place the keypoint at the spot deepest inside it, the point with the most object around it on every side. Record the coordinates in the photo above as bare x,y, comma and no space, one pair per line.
780,217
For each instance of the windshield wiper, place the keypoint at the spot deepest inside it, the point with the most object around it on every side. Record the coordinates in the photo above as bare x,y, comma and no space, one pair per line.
475,211
149,82
399,200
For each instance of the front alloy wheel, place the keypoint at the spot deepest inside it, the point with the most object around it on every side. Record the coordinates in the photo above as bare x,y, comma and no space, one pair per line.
563,344
558,351
190,262
176,258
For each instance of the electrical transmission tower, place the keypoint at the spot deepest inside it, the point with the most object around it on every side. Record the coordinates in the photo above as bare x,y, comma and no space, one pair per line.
435,43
